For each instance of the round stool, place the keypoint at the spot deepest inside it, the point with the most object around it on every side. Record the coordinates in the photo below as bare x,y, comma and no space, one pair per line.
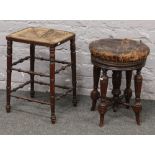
117,55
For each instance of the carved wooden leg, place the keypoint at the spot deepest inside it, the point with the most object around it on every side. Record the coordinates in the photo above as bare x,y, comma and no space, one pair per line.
9,71
116,80
32,59
73,60
52,84
95,93
137,108
128,90
102,108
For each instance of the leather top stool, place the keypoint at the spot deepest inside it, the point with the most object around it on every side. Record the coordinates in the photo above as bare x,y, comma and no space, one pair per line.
117,55
41,37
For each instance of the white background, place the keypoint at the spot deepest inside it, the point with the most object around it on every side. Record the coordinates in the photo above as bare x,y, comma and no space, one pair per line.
81,9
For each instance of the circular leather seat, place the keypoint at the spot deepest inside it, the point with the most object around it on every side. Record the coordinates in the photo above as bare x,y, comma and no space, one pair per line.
119,50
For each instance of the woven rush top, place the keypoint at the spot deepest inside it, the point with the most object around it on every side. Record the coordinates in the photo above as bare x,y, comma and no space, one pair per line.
119,50
41,36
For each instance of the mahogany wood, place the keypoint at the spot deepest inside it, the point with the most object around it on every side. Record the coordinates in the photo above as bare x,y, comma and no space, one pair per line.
32,59
108,54
73,67
9,71
116,81
128,90
52,83
95,93
102,108
137,108
52,45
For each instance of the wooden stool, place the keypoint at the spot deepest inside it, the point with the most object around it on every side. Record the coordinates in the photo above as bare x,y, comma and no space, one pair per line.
117,55
43,37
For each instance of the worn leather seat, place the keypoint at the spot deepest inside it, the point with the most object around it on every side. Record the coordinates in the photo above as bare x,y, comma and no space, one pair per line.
119,50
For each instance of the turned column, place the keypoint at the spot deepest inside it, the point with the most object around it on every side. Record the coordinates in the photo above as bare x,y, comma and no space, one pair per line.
137,108
102,108
128,90
116,81
73,68
32,59
9,71
95,93
52,84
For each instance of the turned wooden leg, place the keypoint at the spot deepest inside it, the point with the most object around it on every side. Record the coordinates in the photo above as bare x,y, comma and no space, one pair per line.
52,84
73,67
95,93
102,108
9,71
137,108
116,81
32,59
128,90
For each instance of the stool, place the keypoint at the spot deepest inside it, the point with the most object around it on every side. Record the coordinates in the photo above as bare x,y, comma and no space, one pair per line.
117,55
43,37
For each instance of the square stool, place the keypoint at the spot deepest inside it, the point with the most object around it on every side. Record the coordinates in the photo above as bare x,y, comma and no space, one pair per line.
42,37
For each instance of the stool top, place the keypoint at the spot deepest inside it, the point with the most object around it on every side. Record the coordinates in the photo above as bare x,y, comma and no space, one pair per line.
41,36
119,50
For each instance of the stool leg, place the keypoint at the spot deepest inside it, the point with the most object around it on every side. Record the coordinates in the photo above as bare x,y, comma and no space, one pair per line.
95,93
73,67
137,108
52,84
9,71
116,81
102,108
32,59
128,90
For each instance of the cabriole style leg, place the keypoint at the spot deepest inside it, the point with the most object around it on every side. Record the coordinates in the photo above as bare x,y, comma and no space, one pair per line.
137,108
73,67
128,90
9,71
95,93
102,108
116,81
32,59
52,84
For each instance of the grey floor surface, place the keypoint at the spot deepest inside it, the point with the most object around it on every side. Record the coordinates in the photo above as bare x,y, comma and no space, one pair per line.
34,119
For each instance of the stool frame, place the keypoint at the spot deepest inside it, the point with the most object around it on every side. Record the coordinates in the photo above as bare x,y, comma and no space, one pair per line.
116,100
32,73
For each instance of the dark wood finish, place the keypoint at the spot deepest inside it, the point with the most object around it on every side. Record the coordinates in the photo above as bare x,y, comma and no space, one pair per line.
39,101
30,72
32,59
52,83
95,93
128,90
137,108
41,74
116,81
102,108
119,55
63,95
73,67
9,71
20,86
43,37
20,60
118,66
45,83
29,99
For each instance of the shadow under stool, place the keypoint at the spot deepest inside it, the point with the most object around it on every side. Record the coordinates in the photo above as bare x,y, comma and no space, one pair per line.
117,55
41,37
